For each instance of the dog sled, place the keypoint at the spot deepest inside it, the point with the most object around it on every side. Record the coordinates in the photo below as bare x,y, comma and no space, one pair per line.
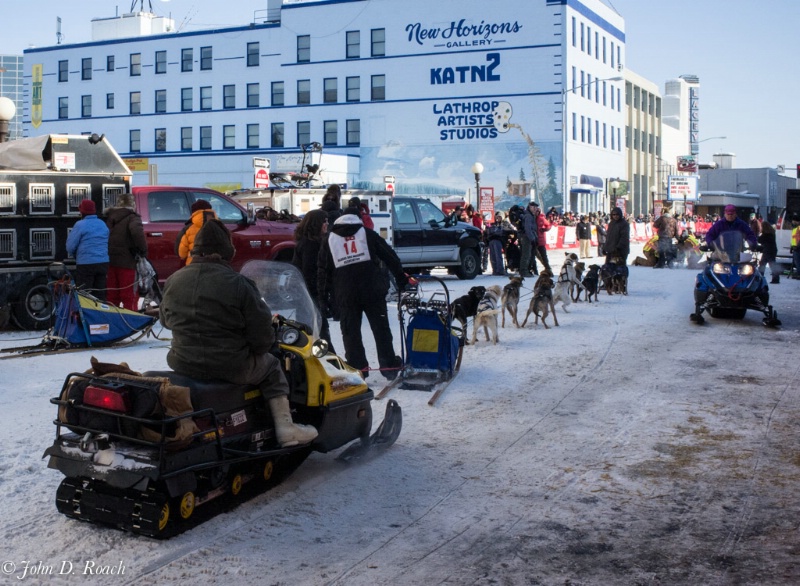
82,321
431,346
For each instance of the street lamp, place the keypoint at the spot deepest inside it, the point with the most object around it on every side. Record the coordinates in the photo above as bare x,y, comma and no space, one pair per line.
7,111
614,185
477,169
564,94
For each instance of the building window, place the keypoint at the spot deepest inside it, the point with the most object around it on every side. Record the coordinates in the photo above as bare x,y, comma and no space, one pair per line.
136,64
597,45
619,103
612,97
277,93
596,91
161,61
604,50
574,77
574,32
583,83
574,126
331,133
135,103
583,128
604,93
187,59
161,101
63,108
353,89
252,95
252,54
109,63
612,53
252,136
135,141
583,38
276,135
378,43
86,68
353,48
613,142
353,132
63,71
186,138
205,58
303,91
589,40
303,48
303,133
330,92
186,99
588,86
109,101
589,129
228,97
228,137
205,138
161,139
205,98
378,88
597,133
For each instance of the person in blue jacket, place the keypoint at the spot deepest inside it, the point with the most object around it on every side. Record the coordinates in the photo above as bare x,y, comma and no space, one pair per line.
88,244
731,222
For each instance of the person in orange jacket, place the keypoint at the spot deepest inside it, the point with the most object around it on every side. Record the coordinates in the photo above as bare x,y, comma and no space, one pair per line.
201,211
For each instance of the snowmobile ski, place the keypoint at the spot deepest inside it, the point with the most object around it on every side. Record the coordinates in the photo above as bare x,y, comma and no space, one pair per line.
384,436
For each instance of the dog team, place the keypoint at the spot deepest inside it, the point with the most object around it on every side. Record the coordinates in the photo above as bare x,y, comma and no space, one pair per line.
488,305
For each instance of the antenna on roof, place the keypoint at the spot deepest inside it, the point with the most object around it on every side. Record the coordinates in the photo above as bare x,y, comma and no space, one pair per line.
141,5
59,36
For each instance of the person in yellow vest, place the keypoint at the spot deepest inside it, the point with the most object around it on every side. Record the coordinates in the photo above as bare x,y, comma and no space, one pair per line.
689,249
650,251
796,246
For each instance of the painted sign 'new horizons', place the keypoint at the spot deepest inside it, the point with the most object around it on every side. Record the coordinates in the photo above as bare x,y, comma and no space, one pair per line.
461,34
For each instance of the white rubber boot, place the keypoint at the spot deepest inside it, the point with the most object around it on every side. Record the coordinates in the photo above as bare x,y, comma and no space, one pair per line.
288,432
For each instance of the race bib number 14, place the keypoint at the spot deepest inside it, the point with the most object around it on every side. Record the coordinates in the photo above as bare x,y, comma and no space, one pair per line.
348,250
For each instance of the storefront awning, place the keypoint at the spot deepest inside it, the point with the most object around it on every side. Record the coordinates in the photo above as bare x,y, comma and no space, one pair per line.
595,182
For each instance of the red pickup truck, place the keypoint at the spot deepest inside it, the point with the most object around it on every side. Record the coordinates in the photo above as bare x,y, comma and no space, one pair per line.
165,210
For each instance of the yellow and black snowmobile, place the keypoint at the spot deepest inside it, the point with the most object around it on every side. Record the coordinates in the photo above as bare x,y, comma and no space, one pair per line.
144,452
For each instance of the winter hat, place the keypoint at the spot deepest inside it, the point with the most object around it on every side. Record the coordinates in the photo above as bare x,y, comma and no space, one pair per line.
353,210
730,208
534,204
87,208
213,238
350,219
355,202
125,201
200,204
329,205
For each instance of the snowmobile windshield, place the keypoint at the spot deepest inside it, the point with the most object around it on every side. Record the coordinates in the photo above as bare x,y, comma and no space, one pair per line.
728,246
283,288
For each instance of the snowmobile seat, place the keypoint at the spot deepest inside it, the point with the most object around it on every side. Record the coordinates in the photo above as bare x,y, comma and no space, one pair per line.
221,396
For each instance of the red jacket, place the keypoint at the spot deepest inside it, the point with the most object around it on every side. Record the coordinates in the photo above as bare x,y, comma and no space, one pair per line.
542,226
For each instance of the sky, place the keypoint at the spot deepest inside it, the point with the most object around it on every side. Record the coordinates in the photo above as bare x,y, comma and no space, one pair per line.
743,52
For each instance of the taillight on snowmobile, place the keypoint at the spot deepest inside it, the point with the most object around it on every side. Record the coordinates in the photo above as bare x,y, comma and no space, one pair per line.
113,400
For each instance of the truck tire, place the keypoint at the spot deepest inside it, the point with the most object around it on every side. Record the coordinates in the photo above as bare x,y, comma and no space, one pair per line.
34,308
470,265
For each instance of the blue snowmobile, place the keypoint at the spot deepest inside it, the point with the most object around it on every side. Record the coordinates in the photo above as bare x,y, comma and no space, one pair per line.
731,283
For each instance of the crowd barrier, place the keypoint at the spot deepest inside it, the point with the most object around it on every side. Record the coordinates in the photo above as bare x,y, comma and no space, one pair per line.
566,237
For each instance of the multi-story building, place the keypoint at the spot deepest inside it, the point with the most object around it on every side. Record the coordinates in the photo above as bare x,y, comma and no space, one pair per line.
412,89
643,142
12,87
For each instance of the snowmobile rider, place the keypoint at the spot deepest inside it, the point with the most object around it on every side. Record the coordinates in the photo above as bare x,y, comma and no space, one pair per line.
222,328
349,264
729,222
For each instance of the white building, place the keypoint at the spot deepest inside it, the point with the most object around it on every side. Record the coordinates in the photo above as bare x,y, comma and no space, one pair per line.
417,90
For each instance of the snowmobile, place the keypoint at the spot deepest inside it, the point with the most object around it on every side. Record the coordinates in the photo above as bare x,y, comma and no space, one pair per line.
143,452
731,283
432,346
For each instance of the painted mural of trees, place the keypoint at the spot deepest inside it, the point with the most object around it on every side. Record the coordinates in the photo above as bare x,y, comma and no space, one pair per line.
538,166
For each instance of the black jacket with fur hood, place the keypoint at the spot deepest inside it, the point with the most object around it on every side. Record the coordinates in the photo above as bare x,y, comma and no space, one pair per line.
217,316
359,279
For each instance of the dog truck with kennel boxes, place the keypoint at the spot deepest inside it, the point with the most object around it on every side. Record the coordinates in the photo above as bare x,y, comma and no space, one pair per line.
42,182
783,226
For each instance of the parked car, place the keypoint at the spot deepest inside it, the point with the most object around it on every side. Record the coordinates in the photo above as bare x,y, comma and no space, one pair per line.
424,238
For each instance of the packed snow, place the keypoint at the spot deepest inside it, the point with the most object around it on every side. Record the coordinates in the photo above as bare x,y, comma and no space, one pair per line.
626,446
